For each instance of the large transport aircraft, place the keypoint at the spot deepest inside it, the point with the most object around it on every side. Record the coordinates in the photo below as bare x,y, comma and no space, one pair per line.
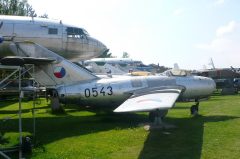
71,42
73,84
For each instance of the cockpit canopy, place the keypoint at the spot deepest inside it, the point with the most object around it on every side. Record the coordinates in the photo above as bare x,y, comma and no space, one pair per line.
76,32
176,72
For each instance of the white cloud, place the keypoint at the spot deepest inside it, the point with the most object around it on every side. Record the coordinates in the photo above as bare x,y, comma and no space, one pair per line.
219,2
230,27
178,12
225,46
216,3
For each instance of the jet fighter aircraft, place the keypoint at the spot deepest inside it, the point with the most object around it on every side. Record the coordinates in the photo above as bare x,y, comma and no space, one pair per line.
71,42
72,84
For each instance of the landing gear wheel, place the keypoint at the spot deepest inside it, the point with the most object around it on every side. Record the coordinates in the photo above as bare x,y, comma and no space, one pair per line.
194,110
157,116
151,116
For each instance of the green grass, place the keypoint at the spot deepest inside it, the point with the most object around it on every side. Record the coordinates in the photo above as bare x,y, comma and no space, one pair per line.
80,133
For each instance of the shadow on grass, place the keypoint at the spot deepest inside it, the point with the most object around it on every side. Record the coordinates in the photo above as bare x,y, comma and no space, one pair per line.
49,129
5,103
13,111
182,107
183,142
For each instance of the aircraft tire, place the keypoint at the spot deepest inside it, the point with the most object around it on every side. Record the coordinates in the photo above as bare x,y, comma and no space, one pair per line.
194,110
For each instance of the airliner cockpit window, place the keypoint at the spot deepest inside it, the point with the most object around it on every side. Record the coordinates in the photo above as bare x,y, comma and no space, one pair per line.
85,32
76,32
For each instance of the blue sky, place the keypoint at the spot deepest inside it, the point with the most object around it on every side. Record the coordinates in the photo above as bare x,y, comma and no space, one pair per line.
186,32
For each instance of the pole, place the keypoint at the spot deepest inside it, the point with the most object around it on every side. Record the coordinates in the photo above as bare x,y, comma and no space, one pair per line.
34,105
4,155
20,113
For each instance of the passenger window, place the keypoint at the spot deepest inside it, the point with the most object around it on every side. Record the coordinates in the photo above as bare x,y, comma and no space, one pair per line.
52,31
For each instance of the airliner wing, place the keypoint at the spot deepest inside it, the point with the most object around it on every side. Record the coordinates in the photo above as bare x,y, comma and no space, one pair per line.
150,100
18,61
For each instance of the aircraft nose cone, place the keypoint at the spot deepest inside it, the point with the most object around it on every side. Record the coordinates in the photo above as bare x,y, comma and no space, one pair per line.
212,83
97,48
102,48
101,45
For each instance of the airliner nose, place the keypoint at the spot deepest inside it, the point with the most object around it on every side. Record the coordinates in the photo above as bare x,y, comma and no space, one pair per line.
101,45
102,48
97,48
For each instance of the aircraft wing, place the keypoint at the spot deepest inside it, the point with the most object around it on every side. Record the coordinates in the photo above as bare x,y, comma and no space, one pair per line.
19,61
150,100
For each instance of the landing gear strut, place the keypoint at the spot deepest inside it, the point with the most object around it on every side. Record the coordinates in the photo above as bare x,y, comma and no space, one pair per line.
157,116
194,108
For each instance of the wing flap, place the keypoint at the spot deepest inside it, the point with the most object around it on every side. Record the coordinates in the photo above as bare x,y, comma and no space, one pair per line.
158,99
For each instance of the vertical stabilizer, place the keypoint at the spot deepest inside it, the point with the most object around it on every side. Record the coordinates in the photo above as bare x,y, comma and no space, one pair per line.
212,64
175,66
59,72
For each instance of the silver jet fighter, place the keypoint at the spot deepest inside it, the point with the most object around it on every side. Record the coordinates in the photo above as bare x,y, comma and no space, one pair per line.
73,84
71,42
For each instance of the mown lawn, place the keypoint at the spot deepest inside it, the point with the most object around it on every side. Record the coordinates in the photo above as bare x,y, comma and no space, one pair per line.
81,133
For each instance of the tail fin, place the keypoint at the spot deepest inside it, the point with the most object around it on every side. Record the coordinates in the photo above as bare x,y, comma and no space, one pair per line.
114,70
175,66
59,72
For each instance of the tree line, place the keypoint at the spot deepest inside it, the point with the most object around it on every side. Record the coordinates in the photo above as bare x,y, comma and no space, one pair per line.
18,7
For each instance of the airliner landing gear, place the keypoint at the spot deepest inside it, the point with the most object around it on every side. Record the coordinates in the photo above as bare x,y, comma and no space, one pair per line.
194,108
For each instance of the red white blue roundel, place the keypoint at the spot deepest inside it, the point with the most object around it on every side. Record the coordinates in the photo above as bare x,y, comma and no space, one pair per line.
59,72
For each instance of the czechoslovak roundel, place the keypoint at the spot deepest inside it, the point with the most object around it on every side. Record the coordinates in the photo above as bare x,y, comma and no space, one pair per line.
59,72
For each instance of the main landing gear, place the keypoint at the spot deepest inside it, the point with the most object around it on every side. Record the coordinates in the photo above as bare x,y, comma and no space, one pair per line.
194,108
157,116
156,120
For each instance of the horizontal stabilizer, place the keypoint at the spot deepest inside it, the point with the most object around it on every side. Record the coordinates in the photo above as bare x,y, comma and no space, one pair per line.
149,101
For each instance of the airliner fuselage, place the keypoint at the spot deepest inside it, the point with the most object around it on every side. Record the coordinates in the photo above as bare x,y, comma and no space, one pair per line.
71,42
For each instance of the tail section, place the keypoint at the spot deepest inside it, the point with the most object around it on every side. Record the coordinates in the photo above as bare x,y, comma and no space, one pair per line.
175,66
59,72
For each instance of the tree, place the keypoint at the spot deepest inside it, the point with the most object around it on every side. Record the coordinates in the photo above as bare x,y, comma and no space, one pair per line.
125,55
16,7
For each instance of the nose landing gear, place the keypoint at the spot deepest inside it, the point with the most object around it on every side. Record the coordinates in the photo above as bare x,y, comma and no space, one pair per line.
194,108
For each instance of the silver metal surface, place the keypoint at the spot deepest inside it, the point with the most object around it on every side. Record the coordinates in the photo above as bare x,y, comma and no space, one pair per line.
195,88
75,84
69,41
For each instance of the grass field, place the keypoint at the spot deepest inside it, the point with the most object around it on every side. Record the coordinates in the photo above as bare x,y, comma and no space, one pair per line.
84,134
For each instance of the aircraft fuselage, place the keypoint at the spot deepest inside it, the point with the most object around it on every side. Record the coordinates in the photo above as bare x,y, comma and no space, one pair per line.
69,41
112,92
